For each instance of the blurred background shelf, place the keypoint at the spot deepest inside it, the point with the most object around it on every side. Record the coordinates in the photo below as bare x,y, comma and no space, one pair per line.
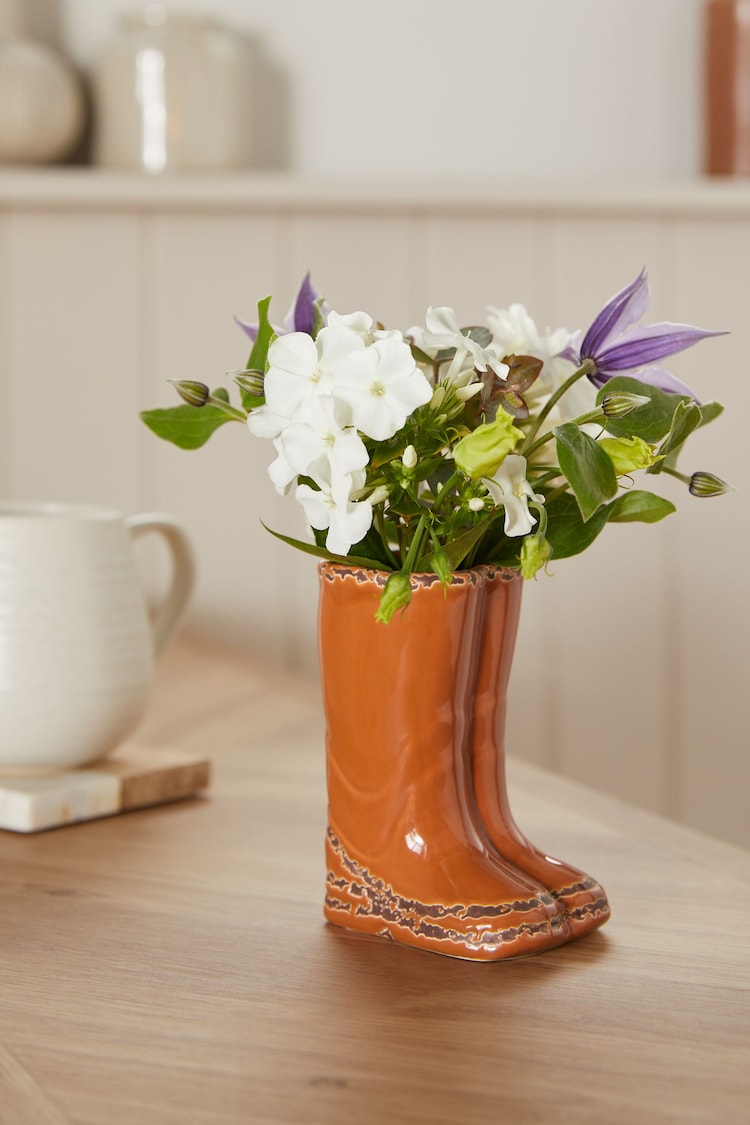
98,188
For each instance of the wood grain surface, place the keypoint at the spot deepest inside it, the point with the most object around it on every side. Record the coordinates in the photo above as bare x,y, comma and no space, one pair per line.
172,967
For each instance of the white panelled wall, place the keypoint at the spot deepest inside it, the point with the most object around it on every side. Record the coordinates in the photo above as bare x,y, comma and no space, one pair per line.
632,661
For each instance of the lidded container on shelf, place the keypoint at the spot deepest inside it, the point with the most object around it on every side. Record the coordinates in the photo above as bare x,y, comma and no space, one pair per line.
172,93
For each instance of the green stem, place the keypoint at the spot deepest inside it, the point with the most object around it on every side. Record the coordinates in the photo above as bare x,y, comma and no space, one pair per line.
232,411
381,530
587,368
581,420
414,546
679,476
443,493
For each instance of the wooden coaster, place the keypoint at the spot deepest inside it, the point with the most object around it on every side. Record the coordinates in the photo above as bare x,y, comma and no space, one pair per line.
133,777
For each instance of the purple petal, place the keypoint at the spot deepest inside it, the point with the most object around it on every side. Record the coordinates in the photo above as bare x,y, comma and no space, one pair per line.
620,312
641,346
666,381
301,316
250,329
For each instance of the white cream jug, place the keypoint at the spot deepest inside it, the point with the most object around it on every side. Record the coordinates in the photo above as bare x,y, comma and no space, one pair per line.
77,649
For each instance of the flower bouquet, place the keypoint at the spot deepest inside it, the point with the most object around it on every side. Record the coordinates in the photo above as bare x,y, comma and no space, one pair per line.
438,468
447,447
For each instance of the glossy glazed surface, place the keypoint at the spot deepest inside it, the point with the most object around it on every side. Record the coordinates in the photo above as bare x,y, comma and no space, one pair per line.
584,898
407,858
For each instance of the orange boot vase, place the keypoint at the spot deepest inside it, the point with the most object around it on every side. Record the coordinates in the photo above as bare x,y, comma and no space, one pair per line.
406,858
584,898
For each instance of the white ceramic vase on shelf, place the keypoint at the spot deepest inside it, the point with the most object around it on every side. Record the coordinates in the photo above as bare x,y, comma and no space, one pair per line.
42,108
172,93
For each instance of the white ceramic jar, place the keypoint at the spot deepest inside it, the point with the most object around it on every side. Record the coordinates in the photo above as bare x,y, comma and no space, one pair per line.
172,93
42,110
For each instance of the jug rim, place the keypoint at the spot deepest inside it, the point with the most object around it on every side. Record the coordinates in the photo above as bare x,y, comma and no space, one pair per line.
43,510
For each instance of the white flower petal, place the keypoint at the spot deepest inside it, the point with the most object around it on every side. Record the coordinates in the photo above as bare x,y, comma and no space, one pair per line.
265,423
295,353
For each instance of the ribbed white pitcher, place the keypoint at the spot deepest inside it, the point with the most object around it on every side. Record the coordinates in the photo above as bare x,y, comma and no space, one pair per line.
77,649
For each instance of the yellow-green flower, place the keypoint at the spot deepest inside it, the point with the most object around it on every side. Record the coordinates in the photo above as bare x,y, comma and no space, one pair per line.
628,454
535,553
482,452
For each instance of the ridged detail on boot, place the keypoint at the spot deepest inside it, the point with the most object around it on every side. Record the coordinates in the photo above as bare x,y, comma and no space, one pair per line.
359,900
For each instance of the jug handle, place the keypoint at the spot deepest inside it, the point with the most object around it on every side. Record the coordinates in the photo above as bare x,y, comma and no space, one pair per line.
183,571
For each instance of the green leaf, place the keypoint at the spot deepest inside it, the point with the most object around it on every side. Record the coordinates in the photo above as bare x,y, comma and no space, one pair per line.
710,411
456,551
639,505
566,531
587,468
652,421
686,418
259,354
187,427
322,553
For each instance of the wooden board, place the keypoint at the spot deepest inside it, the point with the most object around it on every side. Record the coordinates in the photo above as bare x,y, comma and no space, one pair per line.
134,777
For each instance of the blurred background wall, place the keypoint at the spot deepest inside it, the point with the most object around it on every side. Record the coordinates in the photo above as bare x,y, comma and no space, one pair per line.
510,88
412,153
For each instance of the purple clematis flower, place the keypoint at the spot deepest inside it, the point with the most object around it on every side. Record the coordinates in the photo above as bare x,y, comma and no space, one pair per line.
301,316
618,343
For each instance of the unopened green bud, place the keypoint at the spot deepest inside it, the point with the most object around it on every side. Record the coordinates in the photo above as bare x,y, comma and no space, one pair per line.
706,484
535,553
191,392
620,405
439,563
437,397
482,452
628,454
250,381
396,595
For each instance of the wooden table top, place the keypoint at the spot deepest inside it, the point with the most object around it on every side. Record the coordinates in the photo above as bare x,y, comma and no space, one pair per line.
172,966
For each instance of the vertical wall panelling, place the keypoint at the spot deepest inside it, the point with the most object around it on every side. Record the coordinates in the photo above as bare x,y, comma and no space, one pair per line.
6,368
712,268
206,269
74,356
608,610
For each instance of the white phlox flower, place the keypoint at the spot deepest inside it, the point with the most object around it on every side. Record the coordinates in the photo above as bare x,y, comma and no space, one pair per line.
443,331
332,508
299,366
319,441
510,488
361,323
382,385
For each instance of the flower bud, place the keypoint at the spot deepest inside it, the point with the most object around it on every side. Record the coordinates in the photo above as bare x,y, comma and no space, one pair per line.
476,504
706,484
378,495
482,452
409,458
463,394
620,405
191,392
396,595
250,381
628,454
535,553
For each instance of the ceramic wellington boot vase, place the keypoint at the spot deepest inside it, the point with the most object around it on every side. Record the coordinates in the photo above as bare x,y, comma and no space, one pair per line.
583,898
407,856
